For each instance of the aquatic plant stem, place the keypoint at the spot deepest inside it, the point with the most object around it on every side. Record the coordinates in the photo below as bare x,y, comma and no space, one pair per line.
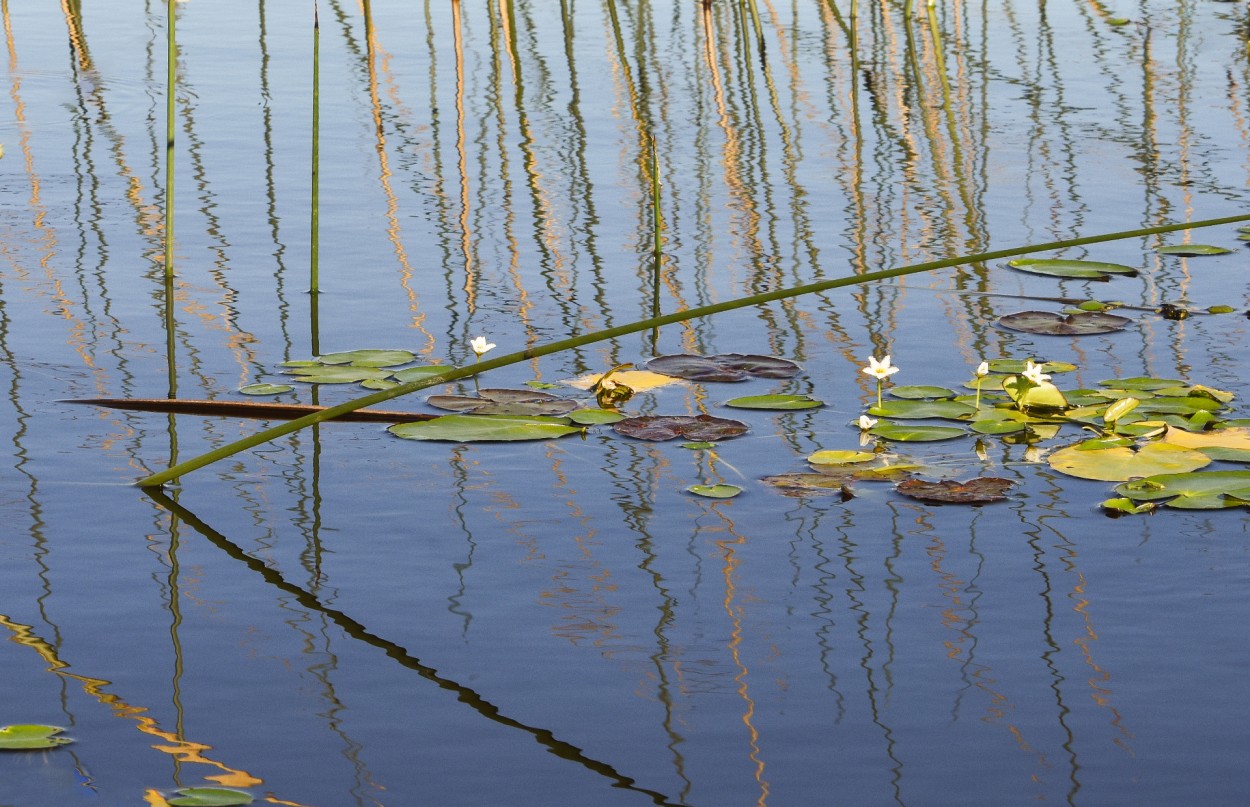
314,238
171,77
654,322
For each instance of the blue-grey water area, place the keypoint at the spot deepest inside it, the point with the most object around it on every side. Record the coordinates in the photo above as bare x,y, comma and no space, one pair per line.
341,617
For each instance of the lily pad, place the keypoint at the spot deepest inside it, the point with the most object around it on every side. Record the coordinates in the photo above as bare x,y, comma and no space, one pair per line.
336,374
484,428
505,402
1119,463
981,490
1049,323
800,484
668,427
1192,250
594,417
265,389
916,434
1186,405
1234,438
1125,506
1013,366
910,410
699,446
725,367
1141,383
378,383
775,402
369,358
1044,397
1204,490
919,391
715,491
413,373
1089,270
831,457
210,797
31,737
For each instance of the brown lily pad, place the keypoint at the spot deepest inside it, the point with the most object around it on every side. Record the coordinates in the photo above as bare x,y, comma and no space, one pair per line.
1049,323
658,428
725,367
981,490
505,402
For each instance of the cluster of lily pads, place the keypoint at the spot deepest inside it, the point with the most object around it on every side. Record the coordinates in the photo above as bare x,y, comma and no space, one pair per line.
35,737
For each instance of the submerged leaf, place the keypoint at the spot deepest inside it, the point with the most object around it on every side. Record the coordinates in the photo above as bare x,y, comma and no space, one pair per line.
667,427
775,402
975,491
725,367
484,428
1048,323
210,797
715,491
31,737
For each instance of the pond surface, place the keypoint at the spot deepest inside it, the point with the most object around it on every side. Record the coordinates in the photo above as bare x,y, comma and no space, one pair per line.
340,617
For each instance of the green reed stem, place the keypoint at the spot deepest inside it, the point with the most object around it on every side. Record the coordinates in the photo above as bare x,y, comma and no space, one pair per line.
171,77
642,325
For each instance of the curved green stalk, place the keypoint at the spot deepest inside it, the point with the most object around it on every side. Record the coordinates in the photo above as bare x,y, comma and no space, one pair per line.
642,325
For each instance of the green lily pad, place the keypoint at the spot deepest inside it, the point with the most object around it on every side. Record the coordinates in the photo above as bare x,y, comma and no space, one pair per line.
541,385
1002,426
975,491
916,391
31,737
1204,490
1119,463
911,410
413,373
1220,309
699,446
831,457
484,428
1044,397
1122,505
1224,454
1192,250
715,491
1015,366
265,389
378,383
369,358
775,402
1088,270
1141,383
1186,405
594,417
300,363
667,427
210,797
336,374
916,434
1049,323
726,367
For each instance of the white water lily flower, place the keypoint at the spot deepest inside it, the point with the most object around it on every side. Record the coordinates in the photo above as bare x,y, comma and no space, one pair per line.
480,345
1033,372
880,370
983,369
866,423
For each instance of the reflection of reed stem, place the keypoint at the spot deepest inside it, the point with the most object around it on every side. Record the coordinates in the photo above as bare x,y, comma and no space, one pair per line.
314,238
656,322
657,215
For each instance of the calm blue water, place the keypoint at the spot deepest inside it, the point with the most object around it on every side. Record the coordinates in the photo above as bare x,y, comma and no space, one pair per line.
343,618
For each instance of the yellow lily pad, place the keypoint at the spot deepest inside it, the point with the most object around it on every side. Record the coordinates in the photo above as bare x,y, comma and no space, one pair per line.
637,380
1238,437
1120,463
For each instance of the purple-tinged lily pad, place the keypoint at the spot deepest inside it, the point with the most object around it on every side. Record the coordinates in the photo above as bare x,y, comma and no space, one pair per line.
658,428
1049,323
981,490
725,367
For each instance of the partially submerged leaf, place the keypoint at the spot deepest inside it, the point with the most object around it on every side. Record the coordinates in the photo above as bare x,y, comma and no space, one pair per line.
1049,323
715,491
484,428
1014,366
1125,506
31,737
336,374
975,491
1192,250
668,427
210,797
594,417
1203,490
775,402
798,484
725,367
637,380
413,373
1089,270
265,389
1120,463
1141,383
369,358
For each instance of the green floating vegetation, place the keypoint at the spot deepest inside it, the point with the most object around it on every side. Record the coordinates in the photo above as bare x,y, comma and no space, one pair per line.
916,434
1121,463
265,389
209,797
775,402
369,358
836,457
594,417
1050,323
337,374
31,737
715,491
913,410
921,391
1084,270
485,428
699,446
1201,490
1192,250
